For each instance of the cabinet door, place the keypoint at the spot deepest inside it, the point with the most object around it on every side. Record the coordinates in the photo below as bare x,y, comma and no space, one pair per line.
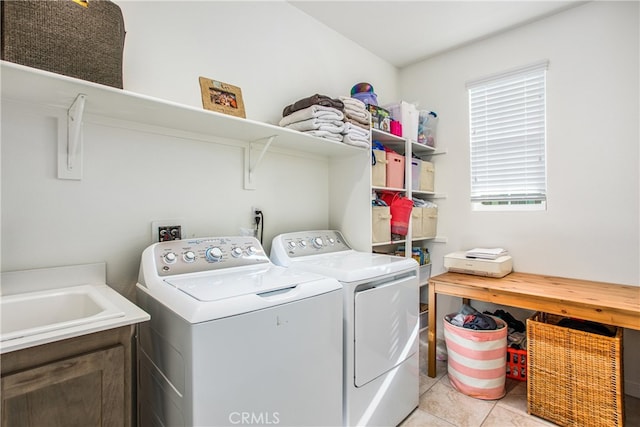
86,390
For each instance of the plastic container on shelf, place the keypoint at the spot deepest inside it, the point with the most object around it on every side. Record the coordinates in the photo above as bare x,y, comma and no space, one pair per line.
427,126
407,114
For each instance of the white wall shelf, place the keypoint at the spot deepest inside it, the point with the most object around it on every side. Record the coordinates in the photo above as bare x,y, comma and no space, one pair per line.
37,87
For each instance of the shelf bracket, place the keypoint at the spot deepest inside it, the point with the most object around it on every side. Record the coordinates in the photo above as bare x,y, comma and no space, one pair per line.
70,143
251,166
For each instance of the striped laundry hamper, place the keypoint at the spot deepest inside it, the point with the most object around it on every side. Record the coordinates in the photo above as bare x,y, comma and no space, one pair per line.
477,360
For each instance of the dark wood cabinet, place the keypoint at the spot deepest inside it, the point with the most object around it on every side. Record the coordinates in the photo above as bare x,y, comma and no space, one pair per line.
83,381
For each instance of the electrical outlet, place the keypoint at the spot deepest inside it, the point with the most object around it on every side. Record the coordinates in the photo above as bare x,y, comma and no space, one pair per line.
254,209
167,230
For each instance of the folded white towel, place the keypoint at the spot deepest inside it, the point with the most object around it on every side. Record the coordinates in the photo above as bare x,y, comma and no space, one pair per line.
358,142
325,134
335,126
353,103
361,116
354,130
313,112
366,126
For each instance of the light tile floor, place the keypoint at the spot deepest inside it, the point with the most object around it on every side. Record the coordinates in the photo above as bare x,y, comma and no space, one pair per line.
441,405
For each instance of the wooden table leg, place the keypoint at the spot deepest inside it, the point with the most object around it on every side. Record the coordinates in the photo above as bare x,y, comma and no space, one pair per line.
431,350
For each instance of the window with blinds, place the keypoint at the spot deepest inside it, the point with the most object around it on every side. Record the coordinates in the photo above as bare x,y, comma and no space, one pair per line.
508,139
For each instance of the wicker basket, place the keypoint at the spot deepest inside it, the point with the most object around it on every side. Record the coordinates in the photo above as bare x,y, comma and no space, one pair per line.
574,377
84,41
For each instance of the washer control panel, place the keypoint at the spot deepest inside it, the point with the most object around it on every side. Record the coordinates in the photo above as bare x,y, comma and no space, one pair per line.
304,243
209,253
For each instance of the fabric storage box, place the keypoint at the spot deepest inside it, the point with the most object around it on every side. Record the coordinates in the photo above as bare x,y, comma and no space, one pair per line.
416,170
476,363
395,170
380,118
79,39
574,377
429,222
378,168
416,222
426,176
381,223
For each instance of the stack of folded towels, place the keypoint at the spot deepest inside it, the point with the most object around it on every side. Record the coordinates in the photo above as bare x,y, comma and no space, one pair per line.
317,115
357,122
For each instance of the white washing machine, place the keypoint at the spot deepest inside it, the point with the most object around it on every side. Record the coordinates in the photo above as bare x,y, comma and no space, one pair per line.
381,323
236,340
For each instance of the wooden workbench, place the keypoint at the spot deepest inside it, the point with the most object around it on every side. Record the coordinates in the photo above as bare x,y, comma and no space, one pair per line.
608,303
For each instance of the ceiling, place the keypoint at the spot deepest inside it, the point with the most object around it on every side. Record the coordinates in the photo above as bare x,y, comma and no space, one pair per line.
405,32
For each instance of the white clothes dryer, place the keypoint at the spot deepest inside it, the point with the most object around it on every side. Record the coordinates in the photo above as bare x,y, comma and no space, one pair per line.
236,340
381,322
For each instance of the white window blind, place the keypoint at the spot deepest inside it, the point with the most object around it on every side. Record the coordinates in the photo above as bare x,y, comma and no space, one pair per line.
508,137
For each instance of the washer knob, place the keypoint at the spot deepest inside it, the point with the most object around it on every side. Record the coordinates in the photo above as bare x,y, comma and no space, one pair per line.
317,242
189,256
169,258
236,252
251,250
213,254
332,240
292,244
303,244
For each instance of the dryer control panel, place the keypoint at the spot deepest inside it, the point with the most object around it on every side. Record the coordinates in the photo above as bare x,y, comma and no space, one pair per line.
303,243
205,254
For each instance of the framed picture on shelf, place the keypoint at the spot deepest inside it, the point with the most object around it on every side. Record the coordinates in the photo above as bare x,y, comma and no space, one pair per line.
221,97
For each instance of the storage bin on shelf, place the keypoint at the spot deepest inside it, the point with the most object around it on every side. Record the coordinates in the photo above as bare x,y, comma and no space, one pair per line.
427,173
395,170
407,114
517,364
378,168
416,170
574,377
427,125
381,224
65,38
477,359
429,222
416,222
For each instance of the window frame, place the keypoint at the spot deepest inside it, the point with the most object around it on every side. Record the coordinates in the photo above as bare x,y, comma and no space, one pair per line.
530,79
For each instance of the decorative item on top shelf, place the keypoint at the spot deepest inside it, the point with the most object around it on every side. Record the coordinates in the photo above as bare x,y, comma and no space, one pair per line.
77,38
221,97
365,93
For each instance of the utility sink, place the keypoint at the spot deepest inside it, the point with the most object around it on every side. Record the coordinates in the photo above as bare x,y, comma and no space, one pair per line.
34,313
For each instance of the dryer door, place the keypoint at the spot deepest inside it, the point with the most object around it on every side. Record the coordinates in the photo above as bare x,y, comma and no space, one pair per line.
386,327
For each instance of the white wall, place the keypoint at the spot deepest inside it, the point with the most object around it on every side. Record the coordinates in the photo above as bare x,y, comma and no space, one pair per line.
271,50
275,53
591,227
